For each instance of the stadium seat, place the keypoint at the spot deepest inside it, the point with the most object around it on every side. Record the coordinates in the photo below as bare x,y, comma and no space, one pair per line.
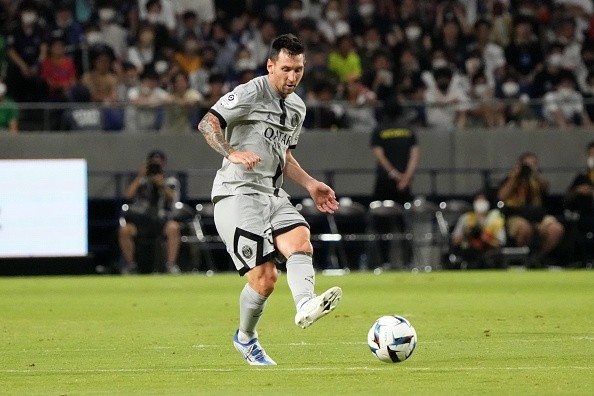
427,241
391,243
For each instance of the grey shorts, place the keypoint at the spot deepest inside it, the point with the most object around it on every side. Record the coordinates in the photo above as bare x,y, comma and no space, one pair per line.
248,225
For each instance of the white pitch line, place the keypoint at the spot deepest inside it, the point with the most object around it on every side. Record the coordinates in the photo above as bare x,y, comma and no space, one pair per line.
292,369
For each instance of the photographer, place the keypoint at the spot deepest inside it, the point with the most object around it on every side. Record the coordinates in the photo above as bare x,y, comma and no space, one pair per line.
478,232
147,216
523,192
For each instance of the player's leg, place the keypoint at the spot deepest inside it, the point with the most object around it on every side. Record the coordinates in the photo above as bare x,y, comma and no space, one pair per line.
172,234
292,240
251,252
126,239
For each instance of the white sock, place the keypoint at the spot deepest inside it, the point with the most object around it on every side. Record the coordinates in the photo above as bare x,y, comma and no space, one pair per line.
251,306
301,276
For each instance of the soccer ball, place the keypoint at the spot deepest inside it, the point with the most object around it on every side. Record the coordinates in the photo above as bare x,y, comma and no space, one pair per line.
392,339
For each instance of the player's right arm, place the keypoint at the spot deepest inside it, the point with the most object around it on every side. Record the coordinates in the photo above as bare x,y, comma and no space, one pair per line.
210,127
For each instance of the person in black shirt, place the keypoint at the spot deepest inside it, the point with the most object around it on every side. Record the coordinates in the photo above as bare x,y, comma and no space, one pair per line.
396,151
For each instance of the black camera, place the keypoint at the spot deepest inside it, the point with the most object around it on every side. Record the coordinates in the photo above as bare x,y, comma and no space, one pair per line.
525,171
154,168
475,232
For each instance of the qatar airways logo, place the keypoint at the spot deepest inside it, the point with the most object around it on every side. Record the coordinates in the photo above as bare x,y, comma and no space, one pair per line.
278,138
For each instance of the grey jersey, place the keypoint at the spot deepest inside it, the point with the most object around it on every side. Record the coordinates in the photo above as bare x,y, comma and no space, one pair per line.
257,119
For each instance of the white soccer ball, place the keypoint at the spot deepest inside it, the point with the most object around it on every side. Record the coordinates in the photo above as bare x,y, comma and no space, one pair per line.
392,339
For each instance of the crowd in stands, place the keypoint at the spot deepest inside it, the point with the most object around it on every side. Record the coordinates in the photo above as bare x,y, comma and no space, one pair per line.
450,63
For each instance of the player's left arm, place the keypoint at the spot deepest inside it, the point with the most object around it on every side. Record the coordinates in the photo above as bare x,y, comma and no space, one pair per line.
323,196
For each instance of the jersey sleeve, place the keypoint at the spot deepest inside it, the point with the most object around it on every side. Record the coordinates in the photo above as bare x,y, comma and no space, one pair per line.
235,105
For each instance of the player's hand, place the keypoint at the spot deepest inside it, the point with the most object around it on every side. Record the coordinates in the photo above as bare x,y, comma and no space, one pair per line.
248,158
324,197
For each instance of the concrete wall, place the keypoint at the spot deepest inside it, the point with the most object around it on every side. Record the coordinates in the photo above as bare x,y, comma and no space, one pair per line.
447,152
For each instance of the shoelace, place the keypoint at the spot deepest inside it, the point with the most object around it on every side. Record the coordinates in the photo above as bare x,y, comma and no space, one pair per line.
256,353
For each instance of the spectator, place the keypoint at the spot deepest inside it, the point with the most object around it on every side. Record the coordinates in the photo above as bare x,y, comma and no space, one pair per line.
580,199
113,34
545,80
566,33
478,232
189,26
128,78
147,100
360,104
159,12
452,42
204,9
180,115
524,55
25,50
523,193
199,79
188,59
144,52
324,111
243,61
380,79
334,23
586,65
9,113
485,108
372,44
215,90
152,196
366,15
100,80
224,47
410,87
517,109
66,28
344,60
564,106
58,72
259,41
446,103
491,54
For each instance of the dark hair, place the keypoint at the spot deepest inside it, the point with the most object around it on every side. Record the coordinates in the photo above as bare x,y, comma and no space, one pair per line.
591,145
156,154
288,42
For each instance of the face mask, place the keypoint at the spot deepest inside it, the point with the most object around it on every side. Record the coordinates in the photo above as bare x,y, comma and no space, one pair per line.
106,14
510,88
412,32
152,18
94,38
191,46
372,45
161,66
3,91
481,205
480,89
439,63
332,15
590,160
28,18
366,10
554,60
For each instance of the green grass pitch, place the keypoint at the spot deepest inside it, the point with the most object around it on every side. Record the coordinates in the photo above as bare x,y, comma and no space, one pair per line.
480,333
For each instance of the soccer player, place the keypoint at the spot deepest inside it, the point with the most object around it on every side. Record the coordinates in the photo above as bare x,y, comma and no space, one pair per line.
255,127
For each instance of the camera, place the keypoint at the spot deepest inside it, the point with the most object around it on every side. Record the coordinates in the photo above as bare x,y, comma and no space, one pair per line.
154,168
525,171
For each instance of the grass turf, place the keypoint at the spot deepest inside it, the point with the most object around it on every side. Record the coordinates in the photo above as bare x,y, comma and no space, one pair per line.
480,333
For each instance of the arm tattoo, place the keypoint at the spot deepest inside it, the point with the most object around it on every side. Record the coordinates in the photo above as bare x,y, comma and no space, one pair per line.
210,128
